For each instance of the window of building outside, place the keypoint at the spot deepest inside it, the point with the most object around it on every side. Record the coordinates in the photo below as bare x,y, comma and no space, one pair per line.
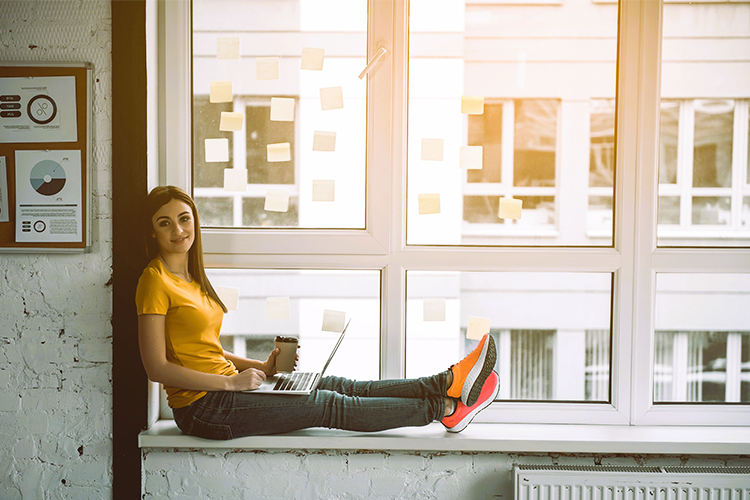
393,197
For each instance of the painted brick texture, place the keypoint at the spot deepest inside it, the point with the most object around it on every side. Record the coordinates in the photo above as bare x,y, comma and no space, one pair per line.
309,474
55,331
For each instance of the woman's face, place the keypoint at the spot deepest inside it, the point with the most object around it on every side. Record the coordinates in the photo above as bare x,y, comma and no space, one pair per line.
173,227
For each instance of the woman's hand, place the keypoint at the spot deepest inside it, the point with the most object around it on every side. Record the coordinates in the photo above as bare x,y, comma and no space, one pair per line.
247,380
269,365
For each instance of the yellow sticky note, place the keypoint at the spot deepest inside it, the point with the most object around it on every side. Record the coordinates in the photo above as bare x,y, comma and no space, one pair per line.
510,208
221,91
279,152
472,105
235,179
231,122
217,150
429,203
266,68
228,48
333,321
470,157
277,308
432,149
477,327
277,200
282,109
434,309
229,296
331,98
312,58
322,190
324,141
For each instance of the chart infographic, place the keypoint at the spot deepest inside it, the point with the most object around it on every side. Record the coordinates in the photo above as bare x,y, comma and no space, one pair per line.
48,196
38,109
47,177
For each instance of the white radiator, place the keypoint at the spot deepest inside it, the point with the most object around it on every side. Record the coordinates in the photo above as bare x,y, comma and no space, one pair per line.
551,482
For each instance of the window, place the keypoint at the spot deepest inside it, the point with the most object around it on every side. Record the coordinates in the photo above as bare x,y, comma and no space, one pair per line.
305,295
701,184
304,158
552,330
702,342
532,162
703,178
632,167
245,210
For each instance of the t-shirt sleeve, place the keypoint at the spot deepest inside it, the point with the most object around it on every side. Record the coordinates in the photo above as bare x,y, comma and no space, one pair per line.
151,296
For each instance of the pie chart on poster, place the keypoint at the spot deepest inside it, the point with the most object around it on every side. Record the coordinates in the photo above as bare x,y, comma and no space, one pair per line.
47,177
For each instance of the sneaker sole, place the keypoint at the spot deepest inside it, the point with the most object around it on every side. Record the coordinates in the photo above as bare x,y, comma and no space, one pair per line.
479,372
473,413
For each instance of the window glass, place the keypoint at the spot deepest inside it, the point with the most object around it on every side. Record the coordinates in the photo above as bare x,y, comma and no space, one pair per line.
712,143
535,142
551,330
711,210
500,109
602,148
486,130
290,75
702,338
259,133
669,210
304,296
599,216
206,124
704,105
668,141
601,166
215,211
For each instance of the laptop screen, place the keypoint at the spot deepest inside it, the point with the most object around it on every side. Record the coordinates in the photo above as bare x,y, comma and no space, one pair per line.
335,348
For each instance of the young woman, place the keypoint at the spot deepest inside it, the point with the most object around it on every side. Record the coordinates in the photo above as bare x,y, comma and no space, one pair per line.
179,319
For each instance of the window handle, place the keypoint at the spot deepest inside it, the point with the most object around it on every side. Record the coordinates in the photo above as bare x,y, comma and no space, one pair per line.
378,56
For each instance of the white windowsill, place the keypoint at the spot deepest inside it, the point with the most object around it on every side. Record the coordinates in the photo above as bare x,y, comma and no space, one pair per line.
481,437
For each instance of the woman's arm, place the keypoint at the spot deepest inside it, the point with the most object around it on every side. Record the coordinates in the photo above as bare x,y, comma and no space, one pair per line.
152,343
268,367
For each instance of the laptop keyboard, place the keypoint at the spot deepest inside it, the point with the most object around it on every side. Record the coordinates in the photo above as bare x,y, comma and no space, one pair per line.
295,381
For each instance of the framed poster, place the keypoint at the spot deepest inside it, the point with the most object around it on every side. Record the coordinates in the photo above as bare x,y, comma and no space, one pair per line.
45,146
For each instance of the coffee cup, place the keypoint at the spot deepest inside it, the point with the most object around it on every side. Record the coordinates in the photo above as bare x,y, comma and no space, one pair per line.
287,353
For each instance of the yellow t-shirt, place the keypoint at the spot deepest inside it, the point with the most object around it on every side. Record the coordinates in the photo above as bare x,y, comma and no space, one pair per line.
193,322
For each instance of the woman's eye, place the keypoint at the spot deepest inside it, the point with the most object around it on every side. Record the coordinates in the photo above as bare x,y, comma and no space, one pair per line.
185,219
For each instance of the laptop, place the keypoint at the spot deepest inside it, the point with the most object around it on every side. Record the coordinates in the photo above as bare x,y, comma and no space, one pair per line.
296,383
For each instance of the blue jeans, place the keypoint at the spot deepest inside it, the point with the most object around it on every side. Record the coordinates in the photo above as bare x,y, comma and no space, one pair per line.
337,403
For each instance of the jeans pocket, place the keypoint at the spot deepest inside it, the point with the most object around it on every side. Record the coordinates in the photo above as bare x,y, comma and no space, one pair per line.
206,430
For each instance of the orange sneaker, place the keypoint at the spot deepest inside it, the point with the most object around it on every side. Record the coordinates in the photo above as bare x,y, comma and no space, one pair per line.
459,419
470,373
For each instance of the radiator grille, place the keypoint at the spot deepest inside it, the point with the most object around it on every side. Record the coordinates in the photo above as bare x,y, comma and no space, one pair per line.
554,482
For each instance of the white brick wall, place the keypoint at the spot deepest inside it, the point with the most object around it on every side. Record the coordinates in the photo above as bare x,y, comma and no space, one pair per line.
55,331
214,474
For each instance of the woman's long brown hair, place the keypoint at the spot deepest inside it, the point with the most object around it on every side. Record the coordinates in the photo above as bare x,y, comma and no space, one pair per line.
157,198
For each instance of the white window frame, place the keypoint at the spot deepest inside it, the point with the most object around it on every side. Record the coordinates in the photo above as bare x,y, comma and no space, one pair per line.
633,258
